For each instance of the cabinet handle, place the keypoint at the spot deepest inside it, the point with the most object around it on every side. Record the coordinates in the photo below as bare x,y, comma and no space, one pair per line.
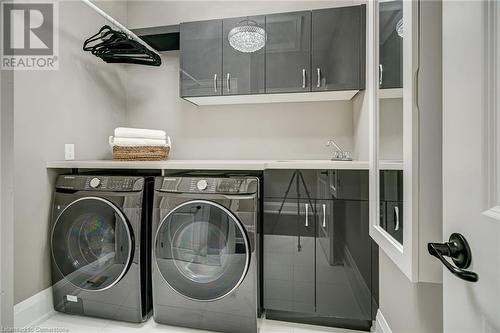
396,214
228,82
318,84
303,78
307,215
215,82
324,215
380,74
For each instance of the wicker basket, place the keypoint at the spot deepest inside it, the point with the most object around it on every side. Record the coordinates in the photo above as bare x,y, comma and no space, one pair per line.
143,153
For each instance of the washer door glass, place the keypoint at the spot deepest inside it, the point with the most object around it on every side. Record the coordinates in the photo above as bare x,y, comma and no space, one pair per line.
92,244
202,250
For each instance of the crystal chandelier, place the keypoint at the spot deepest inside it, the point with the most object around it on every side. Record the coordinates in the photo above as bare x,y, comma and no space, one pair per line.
399,28
247,37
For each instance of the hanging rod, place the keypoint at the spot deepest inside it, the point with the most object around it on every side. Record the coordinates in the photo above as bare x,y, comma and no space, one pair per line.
119,26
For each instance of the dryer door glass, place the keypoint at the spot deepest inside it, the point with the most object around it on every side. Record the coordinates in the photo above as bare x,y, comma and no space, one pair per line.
202,250
91,243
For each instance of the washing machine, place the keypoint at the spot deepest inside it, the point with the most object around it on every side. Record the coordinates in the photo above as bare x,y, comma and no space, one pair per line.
205,250
100,246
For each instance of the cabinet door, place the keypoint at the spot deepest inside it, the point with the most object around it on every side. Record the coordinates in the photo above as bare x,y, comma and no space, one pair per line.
201,58
291,184
326,232
288,254
391,185
243,73
390,44
352,184
343,260
338,48
288,52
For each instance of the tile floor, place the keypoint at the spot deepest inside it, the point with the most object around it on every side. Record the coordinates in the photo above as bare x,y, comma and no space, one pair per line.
77,324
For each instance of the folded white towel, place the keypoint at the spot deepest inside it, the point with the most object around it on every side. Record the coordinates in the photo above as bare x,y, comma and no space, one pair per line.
125,132
137,142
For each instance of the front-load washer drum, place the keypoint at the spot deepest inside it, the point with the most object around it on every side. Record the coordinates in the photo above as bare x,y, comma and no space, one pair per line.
92,244
202,250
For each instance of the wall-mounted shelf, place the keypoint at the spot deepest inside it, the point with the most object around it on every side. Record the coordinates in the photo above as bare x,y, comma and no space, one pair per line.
391,93
164,38
344,95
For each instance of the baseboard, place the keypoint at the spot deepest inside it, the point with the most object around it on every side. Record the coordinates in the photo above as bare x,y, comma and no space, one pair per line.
33,310
381,325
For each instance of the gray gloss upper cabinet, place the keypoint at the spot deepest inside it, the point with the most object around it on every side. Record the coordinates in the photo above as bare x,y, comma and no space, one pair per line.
201,58
338,48
243,73
288,52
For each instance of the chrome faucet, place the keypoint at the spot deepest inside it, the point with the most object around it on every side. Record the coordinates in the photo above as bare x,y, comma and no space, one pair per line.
339,154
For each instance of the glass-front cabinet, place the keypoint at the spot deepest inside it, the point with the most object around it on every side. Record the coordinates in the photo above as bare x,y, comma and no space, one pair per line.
390,118
406,167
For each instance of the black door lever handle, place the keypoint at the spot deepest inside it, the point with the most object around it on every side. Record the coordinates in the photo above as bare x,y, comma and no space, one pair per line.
459,251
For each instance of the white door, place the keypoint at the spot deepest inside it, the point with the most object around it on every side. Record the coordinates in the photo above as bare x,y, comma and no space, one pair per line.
471,160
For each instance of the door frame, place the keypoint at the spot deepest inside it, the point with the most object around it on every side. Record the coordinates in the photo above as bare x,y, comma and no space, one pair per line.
492,116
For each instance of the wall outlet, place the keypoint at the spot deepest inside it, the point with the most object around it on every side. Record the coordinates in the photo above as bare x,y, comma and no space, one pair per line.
69,151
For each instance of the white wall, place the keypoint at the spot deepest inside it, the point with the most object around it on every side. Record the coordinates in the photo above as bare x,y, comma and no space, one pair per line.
6,197
277,131
260,131
409,307
80,103
149,13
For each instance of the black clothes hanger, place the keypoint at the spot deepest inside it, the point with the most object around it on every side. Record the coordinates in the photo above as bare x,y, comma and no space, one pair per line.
117,47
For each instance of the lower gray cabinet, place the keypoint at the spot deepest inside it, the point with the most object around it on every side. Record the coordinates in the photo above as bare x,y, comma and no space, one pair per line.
289,251
318,257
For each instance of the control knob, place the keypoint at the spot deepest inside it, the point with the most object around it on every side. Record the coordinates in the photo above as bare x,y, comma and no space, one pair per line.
95,182
202,184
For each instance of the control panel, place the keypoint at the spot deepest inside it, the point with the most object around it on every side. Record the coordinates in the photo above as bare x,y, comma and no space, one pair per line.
230,185
100,183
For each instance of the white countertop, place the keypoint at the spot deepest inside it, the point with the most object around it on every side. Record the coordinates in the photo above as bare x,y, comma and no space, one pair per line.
210,164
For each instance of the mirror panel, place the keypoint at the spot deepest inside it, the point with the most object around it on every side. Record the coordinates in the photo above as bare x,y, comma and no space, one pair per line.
390,117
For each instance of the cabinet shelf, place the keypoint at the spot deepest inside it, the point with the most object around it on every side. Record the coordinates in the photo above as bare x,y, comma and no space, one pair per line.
391,165
391,93
344,95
